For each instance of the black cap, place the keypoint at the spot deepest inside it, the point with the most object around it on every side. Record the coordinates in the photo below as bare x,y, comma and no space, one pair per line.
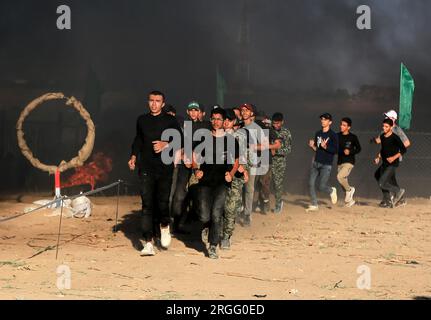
326,116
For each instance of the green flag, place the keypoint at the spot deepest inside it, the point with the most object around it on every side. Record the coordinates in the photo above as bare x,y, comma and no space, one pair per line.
221,89
407,88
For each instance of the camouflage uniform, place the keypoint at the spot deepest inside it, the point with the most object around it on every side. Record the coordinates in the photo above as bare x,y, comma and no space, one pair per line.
279,161
234,196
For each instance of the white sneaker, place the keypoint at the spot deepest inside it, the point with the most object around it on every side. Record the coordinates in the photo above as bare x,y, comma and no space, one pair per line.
334,198
349,195
350,204
165,238
148,250
312,209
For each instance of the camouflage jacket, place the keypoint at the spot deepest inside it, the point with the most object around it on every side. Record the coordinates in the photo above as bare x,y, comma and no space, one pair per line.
286,141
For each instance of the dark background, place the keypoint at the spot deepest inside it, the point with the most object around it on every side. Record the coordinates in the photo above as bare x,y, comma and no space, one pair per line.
301,58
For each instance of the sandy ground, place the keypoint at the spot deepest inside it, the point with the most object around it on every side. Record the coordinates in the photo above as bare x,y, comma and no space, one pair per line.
295,255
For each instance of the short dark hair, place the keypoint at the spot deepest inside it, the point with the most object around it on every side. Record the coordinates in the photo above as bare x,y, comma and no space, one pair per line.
157,93
230,114
277,116
219,111
389,122
170,108
347,120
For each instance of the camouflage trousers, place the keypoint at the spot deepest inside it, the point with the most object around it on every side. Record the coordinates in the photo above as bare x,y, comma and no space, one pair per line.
278,171
232,206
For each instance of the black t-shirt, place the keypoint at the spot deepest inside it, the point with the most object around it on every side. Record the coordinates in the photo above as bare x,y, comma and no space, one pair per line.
350,142
226,151
391,146
149,128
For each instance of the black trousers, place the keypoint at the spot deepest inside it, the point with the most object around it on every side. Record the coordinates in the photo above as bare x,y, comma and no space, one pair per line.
386,178
386,194
211,202
180,194
155,191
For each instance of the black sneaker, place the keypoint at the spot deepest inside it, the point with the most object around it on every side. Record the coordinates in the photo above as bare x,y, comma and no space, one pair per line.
212,252
401,203
385,204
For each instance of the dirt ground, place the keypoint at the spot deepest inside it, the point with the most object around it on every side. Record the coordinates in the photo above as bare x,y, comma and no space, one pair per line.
295,255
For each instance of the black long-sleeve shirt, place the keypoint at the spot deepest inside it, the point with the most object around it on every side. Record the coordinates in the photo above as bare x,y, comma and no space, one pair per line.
150,128
350,142
391,146
326,156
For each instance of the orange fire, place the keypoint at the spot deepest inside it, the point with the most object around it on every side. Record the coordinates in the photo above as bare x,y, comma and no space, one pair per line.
91,173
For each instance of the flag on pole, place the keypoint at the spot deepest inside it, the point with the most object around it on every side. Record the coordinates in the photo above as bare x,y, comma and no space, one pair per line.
407,88
221,88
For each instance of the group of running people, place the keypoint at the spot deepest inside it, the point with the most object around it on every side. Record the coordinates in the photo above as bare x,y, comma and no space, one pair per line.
223,169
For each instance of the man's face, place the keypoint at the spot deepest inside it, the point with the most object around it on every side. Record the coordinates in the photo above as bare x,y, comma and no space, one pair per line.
277,125
344,127
325,122
217,121
386,128
201,115
193,114
228,124
246,113
155,103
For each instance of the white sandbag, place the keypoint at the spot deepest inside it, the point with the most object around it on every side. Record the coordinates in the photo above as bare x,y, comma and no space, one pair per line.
81,207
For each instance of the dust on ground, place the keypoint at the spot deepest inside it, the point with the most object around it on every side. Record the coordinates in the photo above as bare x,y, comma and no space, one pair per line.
295,255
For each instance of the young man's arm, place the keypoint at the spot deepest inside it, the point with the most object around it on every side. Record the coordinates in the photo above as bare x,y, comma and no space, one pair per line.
312,143
356,146
331,145
136,147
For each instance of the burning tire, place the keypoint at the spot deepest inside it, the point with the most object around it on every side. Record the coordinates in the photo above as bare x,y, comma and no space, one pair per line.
83,154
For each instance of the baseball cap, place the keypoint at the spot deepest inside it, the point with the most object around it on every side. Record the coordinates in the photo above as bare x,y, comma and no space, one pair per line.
193,105
247,106
326,116
391,114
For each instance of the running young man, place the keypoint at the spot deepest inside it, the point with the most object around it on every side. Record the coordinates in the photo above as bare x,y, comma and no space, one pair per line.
215,175
280,147
155,176
256,141
325,146
393,115
349,146
233,202
392,148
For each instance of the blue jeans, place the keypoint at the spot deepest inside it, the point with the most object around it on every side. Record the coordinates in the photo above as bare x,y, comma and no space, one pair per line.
322,171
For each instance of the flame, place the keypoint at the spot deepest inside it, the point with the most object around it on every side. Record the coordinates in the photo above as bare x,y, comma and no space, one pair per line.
97,170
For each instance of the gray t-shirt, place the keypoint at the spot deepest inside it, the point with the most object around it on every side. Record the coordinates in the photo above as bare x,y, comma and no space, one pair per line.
400,133
259,163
